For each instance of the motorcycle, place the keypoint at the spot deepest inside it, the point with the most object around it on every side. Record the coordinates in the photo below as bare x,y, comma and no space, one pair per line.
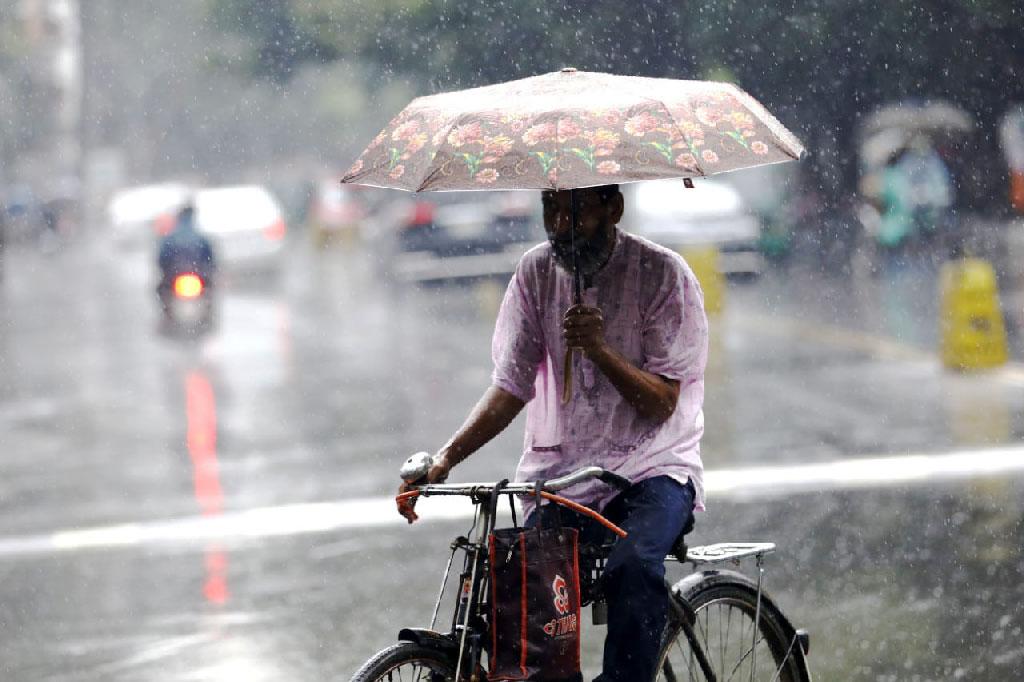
187,301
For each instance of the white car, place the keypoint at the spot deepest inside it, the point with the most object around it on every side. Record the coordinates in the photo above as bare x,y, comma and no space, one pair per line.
710,213
245,224
134,213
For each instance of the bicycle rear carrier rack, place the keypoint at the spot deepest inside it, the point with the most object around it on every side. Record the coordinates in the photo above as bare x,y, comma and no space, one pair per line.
728,551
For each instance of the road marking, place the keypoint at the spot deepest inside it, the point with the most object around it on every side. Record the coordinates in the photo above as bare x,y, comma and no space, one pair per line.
881,347
833,335
324,517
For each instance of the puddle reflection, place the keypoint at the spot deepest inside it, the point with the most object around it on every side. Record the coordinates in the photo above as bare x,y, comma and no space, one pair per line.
977,412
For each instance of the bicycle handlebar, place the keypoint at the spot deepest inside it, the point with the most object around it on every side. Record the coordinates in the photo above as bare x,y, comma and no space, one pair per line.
526,488
613,479
547,491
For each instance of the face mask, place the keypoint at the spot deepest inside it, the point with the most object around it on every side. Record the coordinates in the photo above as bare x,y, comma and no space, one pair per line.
590,253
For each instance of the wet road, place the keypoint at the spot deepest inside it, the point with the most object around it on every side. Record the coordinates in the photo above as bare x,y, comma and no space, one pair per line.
212,510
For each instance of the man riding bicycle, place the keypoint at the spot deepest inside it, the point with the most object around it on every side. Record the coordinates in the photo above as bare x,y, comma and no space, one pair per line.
635,407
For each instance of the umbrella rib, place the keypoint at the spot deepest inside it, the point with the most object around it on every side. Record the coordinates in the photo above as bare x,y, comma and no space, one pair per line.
640,94
675,122
558,159
444,140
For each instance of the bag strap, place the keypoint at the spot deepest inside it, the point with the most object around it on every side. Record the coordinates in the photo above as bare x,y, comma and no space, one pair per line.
493,502
537,490
512,508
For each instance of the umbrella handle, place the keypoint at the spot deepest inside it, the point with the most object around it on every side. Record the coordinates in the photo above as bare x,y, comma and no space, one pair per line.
577,291
567,377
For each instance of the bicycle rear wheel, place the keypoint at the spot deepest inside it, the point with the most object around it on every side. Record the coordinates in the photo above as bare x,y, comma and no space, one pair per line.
407,662
726,605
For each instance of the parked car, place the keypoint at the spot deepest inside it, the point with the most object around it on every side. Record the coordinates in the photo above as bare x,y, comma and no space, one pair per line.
245,223
711,213
457,235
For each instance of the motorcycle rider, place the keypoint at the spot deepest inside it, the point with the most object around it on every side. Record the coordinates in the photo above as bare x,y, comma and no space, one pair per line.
184,250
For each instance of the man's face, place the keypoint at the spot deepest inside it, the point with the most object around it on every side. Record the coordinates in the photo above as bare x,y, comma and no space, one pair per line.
594,229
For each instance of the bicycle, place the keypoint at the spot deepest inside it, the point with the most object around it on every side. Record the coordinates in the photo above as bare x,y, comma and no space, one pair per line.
722,625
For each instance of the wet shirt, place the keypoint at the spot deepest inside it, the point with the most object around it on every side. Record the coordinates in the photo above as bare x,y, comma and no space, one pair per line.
653,312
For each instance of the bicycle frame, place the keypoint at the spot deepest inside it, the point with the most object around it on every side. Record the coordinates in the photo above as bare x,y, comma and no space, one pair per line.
468,628
471,601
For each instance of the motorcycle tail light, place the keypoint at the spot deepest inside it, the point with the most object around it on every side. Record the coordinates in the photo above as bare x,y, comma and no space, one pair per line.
275,232
188,286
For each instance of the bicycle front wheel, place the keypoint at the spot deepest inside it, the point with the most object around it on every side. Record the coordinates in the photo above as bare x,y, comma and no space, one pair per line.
407,662
726,606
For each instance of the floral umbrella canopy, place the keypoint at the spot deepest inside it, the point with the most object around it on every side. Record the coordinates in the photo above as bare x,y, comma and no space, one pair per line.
571,129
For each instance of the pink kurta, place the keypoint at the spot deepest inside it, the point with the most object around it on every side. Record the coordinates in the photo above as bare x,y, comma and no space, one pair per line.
653,311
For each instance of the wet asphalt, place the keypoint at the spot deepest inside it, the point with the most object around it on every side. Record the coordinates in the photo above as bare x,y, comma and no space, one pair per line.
319,379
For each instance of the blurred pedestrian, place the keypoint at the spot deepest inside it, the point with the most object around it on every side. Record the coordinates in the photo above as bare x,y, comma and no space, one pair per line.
929,184
636,409
1011,139
917,193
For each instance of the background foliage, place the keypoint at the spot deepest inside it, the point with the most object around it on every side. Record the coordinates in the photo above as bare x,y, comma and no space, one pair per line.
820,65
223,87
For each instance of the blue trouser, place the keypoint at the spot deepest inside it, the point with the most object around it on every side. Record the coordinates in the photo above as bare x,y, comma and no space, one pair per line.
653,513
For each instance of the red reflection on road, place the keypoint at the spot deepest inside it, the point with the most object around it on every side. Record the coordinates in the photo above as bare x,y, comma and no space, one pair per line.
215,589
201,438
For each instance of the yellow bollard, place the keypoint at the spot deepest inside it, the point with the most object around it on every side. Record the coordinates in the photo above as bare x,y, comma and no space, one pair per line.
973,334
703,260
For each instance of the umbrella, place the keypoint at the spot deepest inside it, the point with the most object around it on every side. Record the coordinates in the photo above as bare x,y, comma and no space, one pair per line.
934,117
572,129
881,147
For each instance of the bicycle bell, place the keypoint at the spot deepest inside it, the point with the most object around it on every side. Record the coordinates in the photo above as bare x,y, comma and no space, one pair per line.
416,467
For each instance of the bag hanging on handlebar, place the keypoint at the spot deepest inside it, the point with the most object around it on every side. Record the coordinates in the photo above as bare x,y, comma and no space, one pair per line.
535,604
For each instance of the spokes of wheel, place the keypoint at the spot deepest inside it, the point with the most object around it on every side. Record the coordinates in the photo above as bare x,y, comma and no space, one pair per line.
411,672
736,650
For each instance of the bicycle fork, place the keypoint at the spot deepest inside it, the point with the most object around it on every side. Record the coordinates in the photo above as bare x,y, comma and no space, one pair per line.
471,595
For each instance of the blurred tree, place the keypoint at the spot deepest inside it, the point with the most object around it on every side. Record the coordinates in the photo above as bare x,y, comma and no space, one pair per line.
280,38
175,92
26,92
8,109
821,65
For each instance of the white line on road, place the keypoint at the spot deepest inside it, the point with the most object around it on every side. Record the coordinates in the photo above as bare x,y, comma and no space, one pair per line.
882,347
727,484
